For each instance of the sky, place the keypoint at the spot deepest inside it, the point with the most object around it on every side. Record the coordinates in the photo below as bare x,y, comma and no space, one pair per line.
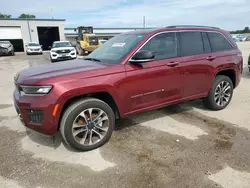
226,14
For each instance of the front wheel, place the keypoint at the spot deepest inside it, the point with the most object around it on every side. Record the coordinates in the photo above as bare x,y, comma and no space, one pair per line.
79,50
87,124
220,94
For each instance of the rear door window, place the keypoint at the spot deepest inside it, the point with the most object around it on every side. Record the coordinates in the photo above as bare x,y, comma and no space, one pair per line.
219,42
191,43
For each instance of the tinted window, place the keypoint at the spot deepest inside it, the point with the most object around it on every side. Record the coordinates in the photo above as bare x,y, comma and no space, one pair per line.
61,44
218,42
163,46
191,43
207,47
33,44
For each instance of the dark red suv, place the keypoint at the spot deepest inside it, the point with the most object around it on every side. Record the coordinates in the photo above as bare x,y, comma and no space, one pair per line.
132,72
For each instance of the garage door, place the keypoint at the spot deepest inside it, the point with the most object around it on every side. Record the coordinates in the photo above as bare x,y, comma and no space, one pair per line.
10,33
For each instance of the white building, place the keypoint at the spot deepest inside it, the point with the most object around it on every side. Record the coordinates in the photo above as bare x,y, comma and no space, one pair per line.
21,31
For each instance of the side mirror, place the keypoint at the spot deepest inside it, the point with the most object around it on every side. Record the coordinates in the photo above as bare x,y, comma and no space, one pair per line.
41,46
142,57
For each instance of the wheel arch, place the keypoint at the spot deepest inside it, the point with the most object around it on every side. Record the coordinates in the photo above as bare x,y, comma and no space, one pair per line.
105,96
229,73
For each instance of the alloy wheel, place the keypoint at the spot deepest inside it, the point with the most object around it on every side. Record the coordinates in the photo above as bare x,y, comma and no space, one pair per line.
223,93
90,126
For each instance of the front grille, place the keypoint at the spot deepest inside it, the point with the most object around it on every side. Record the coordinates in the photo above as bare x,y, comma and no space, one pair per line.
35,50
62,51
36,116
93,42
3,50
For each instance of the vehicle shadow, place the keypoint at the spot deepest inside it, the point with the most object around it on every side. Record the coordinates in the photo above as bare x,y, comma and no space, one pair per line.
121,124
43,140
159,113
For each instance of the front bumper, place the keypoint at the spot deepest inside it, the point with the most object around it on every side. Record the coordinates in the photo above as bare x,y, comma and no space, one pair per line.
5,51
34,114
55,56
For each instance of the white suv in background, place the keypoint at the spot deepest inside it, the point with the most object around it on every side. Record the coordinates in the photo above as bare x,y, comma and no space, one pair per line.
33,48
62,50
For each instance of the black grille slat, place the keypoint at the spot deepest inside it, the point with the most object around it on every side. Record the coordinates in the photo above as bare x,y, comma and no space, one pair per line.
62,51
36,116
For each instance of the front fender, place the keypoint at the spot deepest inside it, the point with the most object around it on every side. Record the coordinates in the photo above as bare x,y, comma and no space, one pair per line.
81,92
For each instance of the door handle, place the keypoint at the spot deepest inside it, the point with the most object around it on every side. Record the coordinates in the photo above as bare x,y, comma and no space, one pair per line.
173,64
211,58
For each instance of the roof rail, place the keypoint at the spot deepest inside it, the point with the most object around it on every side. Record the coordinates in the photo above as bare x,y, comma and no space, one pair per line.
176,26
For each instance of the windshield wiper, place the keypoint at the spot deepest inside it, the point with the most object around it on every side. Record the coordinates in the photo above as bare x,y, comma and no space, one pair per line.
92,59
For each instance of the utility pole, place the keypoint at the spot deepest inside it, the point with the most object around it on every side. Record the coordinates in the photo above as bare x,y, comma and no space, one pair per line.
51,13
28,23
144,22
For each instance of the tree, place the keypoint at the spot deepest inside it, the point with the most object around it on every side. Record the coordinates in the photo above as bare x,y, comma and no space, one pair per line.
27,16
4,15
246,30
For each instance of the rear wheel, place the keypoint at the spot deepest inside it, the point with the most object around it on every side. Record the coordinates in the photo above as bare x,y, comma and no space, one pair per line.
220,94
87,124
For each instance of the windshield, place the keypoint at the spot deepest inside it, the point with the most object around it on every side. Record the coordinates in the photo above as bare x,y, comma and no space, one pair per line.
4,42
93,38
115,49
33,44
61,44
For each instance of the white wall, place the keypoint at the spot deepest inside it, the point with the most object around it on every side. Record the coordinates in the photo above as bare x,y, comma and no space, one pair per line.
33,27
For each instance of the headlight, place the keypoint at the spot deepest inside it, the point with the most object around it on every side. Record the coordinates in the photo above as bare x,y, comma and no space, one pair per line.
72,50
35,89
53,50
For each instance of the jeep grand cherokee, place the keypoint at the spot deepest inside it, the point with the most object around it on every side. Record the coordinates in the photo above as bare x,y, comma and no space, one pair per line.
132,72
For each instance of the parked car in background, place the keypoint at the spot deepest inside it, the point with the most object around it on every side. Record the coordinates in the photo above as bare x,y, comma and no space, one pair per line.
236,39
62,50
246,38
6,48
34,48
132,72
103,41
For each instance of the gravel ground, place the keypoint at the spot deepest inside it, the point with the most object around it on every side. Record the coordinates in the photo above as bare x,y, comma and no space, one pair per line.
178,146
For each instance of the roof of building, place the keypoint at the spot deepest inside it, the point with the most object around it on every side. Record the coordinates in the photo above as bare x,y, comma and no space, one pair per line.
32,19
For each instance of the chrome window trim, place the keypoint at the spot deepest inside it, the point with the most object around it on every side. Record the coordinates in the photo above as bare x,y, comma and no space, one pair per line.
178,31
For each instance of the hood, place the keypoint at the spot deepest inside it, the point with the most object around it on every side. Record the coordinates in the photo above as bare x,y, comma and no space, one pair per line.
35,75
2,45
63,48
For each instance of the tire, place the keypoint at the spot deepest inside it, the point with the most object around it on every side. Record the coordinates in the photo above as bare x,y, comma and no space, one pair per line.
73,111
79,50
210,101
